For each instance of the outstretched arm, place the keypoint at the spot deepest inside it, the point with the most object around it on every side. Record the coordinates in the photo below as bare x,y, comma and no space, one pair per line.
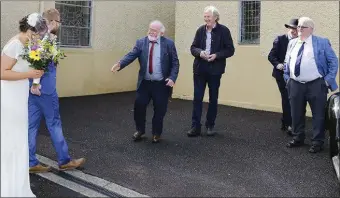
128,58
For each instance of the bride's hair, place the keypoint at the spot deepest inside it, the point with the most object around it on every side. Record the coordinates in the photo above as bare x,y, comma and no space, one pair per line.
40,25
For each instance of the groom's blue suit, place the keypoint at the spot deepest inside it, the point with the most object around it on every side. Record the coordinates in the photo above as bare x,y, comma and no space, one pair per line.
47,105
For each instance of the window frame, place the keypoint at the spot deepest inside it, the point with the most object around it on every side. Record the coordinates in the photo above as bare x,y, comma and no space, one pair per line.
90,27
240,35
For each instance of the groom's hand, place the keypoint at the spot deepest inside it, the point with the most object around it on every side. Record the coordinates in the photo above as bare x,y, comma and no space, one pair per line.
115,67
35,89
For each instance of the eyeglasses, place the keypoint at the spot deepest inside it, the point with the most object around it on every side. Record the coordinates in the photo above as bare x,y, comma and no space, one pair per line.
56,21
301,27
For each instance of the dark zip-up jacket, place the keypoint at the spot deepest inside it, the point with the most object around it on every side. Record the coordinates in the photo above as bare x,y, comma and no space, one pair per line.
221,45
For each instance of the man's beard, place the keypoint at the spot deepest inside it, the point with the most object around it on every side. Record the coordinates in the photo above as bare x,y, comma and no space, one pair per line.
54,31
152,38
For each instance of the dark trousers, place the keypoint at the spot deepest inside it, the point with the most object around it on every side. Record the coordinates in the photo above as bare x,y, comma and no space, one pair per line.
159,93
315,93
286,113
200,82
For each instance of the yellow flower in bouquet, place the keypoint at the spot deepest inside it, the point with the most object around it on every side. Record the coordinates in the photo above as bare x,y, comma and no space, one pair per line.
34,55
40,53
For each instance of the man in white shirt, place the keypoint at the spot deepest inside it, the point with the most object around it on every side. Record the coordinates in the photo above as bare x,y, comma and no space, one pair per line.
311,67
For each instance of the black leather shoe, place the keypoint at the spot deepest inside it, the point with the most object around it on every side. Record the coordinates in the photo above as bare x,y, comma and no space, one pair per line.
294,143
210,131
193,132
156,139
315,148
137,136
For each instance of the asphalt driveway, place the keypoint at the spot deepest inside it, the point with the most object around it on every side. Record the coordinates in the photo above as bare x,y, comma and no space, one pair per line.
247,158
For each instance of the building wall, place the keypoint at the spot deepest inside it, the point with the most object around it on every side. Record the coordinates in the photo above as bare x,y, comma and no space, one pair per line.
116,27
248,82
11,13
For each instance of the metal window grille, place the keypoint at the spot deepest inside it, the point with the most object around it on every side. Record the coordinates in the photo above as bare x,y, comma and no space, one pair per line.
76,23
250,22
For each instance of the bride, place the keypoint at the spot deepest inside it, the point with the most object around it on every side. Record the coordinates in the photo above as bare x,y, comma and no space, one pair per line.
15,73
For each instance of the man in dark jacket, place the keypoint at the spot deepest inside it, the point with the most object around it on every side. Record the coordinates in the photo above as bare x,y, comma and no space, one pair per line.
276,57
211,46
159,67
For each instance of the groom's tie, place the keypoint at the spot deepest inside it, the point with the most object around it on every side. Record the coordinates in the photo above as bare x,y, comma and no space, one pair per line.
298,60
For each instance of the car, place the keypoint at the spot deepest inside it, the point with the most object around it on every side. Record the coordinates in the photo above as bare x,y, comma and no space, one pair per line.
332,125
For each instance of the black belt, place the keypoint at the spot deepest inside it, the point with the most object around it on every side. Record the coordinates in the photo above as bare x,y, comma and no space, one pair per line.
306,82
149,80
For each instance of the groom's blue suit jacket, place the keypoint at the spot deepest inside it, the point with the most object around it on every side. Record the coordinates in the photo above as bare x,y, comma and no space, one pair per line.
48,81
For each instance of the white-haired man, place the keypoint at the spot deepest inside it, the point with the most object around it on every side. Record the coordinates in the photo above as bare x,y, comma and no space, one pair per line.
211,46
159,67
311,67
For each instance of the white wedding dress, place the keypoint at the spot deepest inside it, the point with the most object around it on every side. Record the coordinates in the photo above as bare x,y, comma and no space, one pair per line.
15,181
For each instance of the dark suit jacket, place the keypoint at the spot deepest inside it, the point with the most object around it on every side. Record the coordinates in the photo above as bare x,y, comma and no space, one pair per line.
221,45
169,59
277,54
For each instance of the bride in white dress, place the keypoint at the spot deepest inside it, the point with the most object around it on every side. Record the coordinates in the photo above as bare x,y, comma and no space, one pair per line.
15,73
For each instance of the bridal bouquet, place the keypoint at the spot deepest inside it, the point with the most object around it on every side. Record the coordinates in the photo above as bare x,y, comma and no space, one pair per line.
41,52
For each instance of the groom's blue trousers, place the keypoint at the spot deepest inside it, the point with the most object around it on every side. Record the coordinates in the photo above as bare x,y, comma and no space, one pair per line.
47,106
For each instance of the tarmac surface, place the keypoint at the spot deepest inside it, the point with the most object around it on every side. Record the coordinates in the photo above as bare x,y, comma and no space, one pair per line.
247,157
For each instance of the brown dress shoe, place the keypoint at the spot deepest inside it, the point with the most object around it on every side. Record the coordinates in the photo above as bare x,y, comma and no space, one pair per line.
72,164
156,139
40,169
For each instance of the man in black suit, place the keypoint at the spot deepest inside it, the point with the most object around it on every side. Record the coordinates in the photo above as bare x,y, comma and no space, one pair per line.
276,57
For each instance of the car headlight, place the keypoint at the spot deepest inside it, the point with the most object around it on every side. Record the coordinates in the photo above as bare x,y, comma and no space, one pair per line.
336,107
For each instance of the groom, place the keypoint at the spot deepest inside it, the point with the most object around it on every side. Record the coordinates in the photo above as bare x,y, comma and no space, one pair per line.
43,101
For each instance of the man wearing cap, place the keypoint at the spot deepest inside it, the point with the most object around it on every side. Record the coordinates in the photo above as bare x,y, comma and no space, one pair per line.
276,57
310,70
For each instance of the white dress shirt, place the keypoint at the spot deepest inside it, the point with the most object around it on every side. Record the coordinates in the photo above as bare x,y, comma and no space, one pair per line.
308,68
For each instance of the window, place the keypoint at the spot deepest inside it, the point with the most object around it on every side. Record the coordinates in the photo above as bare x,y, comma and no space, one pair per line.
250,22
75,29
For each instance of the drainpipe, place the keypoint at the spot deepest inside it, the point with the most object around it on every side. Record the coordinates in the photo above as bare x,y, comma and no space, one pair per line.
41,6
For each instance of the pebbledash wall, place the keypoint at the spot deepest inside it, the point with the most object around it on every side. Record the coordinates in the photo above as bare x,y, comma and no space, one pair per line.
115,27
117,24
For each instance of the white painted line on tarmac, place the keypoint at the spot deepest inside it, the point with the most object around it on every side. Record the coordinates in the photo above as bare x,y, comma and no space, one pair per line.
110,186
71,185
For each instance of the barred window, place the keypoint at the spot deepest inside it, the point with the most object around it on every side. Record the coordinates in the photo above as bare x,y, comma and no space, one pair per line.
75,29
250,22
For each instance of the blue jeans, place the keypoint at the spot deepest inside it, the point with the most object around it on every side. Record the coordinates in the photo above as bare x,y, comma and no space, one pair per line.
200,82
47,105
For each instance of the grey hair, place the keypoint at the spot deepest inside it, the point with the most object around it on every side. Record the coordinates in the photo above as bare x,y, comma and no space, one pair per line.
160,24
306,21
214,11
